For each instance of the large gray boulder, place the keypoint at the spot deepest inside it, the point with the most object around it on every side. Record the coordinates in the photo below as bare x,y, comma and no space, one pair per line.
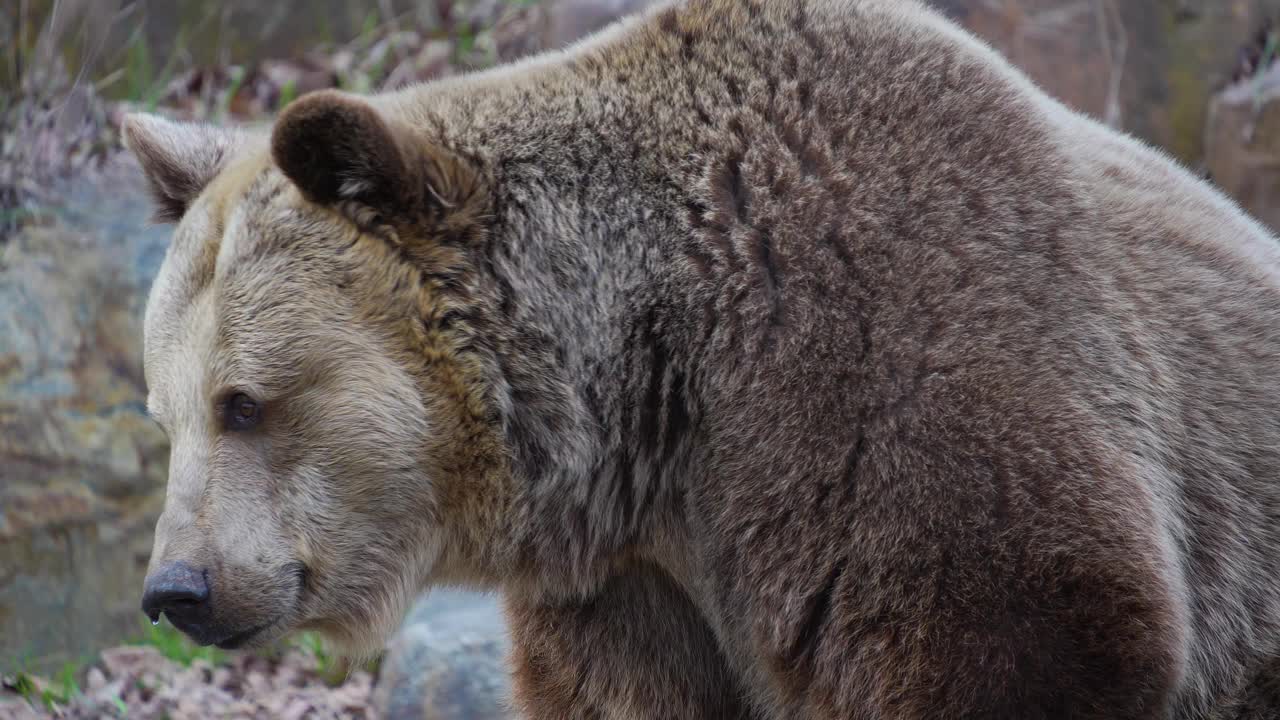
447,662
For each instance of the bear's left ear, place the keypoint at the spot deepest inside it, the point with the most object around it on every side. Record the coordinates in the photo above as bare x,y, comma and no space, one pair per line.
337,147
178,159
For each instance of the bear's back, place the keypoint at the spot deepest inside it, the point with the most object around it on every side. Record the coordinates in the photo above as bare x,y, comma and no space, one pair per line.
920,287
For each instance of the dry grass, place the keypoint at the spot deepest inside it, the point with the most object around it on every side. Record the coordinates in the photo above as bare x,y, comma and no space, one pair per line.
70,68
52,121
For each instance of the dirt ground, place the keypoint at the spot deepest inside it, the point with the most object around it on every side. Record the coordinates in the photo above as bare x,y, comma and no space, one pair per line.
139,682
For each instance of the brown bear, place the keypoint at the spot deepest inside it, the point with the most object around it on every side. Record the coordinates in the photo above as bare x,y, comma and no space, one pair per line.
773,358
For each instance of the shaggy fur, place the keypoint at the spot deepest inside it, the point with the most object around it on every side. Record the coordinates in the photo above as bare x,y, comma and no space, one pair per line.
775,358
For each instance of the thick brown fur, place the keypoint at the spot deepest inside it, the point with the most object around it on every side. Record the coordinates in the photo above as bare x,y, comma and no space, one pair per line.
775,359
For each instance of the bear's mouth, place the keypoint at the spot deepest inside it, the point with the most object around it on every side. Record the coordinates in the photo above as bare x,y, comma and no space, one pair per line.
297,573
211,634
240,639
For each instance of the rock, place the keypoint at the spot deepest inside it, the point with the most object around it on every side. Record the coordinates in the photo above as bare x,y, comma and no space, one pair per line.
82,469
447,662
1242,145
95,680
297,709
1146,66
570,20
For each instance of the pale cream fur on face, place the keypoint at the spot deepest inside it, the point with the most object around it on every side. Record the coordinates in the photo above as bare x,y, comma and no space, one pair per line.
334,479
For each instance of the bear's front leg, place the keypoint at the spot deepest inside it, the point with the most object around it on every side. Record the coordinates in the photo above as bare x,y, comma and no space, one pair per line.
925,618
639,649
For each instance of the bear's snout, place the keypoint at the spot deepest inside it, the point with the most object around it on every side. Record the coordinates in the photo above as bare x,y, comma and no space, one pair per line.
181,593
227,607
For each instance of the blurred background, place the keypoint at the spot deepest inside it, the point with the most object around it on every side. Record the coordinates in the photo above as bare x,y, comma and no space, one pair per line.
81,468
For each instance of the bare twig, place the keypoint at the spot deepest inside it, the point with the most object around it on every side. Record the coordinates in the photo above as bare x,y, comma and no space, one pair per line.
1111,22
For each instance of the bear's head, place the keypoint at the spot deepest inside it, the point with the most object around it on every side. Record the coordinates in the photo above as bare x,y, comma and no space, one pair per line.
310,353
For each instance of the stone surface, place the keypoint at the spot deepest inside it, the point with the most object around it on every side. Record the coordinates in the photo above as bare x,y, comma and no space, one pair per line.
570,20
81,467
1242,147
1146,66
447,662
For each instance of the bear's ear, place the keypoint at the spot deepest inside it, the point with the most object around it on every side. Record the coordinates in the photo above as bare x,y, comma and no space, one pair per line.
179,159
337,147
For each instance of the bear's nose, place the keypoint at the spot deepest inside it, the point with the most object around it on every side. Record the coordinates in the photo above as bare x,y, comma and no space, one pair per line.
177,590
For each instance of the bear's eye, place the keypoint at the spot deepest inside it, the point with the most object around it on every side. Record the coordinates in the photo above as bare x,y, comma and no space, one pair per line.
241,412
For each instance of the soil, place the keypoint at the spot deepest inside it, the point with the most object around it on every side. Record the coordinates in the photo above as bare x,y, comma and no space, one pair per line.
139,682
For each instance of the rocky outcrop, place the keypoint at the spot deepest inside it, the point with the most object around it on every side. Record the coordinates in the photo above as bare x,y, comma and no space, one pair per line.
570,20
1242,146
81,467
1145,66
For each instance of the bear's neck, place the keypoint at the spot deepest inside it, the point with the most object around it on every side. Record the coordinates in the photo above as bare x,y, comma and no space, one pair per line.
601,313
594,379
